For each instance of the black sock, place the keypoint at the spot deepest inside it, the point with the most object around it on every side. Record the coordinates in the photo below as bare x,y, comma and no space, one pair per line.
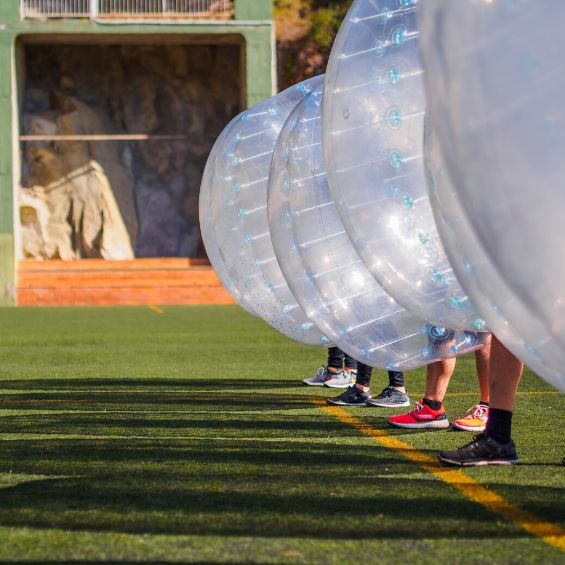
499,425
483,403
433,404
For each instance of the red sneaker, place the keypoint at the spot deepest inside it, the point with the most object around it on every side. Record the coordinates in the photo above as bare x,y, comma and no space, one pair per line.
421,417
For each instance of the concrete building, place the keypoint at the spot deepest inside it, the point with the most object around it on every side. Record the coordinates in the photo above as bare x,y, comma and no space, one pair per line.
77,52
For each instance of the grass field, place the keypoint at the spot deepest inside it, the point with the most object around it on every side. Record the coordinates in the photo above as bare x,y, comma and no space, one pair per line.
183,434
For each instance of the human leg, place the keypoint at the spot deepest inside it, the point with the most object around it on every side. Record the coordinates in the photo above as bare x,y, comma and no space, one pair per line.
357,394
342,377
394,395
475,418
326,372
335,359
364,374
506,371
494,446
482,362
438,375
430,412
349,364
505,374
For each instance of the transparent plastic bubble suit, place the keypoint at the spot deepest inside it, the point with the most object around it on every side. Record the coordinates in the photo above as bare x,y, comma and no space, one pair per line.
238,208
325,272
373,141
207,228
496,91
478,275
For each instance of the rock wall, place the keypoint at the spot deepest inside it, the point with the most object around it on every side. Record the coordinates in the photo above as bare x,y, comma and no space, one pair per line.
121,199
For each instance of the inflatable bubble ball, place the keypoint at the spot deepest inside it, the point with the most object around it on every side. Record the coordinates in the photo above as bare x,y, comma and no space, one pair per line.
322,268
372,124
238,183
495,103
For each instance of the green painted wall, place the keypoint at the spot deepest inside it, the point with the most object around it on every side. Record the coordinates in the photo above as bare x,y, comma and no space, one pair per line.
253,9
253,23
9,12
9,17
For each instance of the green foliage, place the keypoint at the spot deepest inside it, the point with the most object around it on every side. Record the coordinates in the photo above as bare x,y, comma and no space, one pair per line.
319,18
325,23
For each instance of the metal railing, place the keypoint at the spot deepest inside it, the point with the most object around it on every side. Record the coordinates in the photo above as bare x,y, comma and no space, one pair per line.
127,9
55,8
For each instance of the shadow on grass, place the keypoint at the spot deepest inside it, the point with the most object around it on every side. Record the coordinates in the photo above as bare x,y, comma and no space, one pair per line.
131,394
278,474
69,457
127,401
195,500
109,423
163,383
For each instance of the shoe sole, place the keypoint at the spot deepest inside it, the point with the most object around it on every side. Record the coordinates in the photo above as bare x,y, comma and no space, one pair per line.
478,463
457,426
312,384
435,425
383,405
337,386
340,403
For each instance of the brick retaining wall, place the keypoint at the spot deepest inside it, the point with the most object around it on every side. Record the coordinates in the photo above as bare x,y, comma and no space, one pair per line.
137,282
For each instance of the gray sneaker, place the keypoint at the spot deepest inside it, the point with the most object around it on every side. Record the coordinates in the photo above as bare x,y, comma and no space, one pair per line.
321,376
351,397
340,380
389,398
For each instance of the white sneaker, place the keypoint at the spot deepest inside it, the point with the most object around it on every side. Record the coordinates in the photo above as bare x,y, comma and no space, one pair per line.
340,380
321,376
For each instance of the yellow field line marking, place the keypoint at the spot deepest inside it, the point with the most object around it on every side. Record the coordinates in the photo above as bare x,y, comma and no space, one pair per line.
549,533
156,309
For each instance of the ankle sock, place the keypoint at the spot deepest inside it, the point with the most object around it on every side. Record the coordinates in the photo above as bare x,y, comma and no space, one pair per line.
433,404
499,425
483,403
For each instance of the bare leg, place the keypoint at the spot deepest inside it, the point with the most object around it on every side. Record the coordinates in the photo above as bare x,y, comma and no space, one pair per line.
482,361
475,418
495,446
438,375
430,412
505,373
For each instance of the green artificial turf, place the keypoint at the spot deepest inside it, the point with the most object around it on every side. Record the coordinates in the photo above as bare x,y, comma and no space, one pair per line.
186,436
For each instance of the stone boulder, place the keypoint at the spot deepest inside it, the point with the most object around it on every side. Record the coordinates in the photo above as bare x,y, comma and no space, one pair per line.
82,186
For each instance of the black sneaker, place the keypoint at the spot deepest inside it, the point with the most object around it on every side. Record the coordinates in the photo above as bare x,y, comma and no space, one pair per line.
351,397
389,398
483,450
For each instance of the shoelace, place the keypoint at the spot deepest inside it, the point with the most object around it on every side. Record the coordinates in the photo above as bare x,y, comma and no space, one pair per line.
332,375
481,447
477,411
476,441
419,407
353,391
